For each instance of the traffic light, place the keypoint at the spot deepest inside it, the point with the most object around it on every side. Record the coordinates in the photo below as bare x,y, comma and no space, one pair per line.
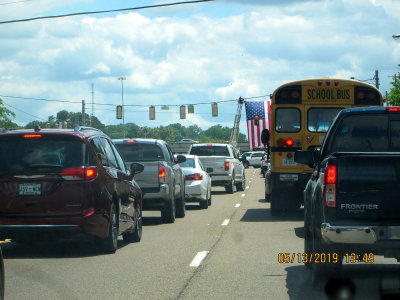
183,112
214,107
256,120
119,111
152,112
191,109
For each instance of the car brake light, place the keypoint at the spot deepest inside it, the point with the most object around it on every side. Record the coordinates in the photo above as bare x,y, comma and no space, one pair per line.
79,173
88,212
209,145
130,141
195,176
393,108
161,172
330,186
32,136
289,142
227,166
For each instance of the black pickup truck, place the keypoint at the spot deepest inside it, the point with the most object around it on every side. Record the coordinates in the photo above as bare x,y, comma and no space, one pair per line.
352,202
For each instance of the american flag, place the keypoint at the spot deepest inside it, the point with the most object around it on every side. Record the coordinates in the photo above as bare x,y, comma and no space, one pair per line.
262,109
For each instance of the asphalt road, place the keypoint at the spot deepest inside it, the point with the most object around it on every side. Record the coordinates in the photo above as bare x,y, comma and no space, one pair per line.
229,251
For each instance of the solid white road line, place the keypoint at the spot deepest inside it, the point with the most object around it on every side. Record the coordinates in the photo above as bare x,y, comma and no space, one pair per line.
226,222
200,256
237,205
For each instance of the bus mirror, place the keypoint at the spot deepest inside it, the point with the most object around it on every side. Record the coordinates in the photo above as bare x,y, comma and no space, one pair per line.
265,137
304,157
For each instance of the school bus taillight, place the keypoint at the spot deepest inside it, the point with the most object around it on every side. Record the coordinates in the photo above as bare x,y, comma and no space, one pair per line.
289,142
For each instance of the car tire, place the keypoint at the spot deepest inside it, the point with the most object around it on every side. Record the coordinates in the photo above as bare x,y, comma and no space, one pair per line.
181,205
110,243
209,198
203,204
168,211
136,235
246,164
230,188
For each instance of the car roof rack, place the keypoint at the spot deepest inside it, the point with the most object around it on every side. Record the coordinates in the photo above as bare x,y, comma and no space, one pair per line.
81,128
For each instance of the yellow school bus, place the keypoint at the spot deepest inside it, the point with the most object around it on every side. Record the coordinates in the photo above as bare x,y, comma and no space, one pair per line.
301,112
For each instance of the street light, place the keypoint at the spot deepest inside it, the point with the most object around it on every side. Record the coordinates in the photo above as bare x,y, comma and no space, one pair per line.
123,112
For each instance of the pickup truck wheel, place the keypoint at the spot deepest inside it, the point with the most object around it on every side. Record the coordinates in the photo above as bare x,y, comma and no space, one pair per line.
229,188
308,243
241,185
136,235
168,211
181,205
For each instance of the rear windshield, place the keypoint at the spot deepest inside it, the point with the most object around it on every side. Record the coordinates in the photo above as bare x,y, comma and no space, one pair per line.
44,153
210,151
367,133
140,152
189,163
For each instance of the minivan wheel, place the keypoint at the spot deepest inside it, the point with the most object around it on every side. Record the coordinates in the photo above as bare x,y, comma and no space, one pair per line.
110,243
168,211
136,235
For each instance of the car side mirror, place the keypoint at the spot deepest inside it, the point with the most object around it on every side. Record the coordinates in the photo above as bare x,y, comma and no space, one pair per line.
180,159
136,168
304,157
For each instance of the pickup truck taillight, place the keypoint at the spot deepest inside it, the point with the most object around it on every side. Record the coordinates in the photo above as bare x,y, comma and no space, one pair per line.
195,176
227,166
330,186
161,172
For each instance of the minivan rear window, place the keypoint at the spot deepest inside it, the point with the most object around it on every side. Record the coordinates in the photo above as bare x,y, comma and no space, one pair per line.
140,152
46,152
210,151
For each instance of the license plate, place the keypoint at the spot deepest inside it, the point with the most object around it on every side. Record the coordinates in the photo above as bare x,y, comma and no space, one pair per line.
288,177
30,189
288,162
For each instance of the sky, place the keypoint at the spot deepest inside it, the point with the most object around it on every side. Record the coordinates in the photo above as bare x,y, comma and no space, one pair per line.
188,54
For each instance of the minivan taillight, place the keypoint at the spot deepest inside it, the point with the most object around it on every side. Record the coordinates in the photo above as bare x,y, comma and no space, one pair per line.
330,180
79,173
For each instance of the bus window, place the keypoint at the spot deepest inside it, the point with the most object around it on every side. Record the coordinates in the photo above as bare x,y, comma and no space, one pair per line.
287,120
319,119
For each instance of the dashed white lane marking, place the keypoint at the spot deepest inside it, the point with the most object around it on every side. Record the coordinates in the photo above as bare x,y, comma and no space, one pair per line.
250,181
243,195
237,205
200,256
247,187
226,222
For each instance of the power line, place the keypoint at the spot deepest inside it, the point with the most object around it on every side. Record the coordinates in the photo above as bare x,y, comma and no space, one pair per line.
38,118
15,2
102,11
133,105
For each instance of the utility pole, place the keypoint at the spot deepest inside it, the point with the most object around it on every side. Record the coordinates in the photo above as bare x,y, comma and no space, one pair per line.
83,112
376,77
123,109
91,119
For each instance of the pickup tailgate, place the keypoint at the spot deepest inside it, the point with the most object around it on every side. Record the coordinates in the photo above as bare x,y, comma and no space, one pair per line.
217,163
368,186
148,179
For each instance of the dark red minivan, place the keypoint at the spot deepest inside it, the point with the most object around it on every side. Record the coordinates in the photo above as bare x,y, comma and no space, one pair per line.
56,182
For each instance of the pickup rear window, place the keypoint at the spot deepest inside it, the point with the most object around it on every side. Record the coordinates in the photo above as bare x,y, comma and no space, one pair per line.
210,151
140,152
367,133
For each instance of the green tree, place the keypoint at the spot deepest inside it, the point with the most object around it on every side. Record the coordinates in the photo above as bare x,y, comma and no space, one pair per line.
393,98
5,115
